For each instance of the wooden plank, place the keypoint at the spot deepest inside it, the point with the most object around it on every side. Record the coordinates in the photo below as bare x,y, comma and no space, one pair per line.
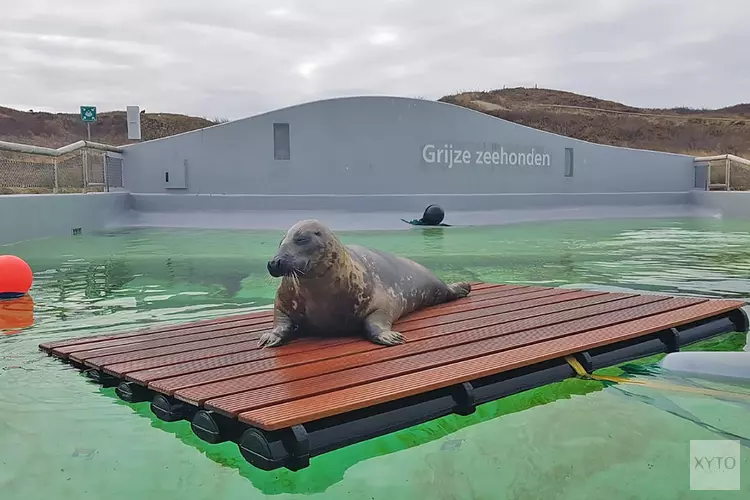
500,305
457,308
492,307
479,285
599,316
303,345
200,393
49,346
122,369
153,349
175,330
347,355
476,301
219,325
312,408
163,356
144,350
101,361
148,345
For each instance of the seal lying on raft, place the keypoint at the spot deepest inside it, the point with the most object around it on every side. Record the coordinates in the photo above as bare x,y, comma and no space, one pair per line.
328,288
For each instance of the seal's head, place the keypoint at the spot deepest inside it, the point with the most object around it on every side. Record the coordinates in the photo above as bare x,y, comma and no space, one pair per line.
308,250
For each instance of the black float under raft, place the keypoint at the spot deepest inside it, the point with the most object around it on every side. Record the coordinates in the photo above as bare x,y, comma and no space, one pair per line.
287,404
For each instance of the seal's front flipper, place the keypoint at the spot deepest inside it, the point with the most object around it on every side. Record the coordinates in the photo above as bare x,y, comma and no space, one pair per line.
270,339
282,330
459,290
389,337
420,222
378,329
413,222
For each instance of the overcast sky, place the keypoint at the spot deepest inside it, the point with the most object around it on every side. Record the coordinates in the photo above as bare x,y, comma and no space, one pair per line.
234,58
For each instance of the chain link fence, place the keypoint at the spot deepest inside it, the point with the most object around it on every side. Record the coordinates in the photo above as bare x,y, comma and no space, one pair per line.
80,171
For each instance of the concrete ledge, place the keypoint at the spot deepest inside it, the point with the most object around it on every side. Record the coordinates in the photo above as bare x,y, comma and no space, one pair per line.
389,220
397,203
730,204
32,216
381,212
36,216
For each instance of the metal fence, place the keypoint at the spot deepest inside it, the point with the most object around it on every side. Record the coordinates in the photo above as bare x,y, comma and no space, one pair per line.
722,173
78,168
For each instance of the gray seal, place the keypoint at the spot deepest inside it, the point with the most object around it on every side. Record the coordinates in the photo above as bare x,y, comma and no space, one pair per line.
331,289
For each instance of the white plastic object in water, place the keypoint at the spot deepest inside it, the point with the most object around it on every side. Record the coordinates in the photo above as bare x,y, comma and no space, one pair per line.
732,365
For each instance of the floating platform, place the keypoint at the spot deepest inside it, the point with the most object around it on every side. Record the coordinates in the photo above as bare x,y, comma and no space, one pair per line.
284,405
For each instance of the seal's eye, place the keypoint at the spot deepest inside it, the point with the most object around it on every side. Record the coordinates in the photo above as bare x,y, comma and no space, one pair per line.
317,233
302,239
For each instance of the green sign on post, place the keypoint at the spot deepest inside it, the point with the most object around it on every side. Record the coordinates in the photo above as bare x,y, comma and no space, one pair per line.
88,113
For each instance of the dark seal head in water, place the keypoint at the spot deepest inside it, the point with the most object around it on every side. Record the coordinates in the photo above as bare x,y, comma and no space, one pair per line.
433,215
328,288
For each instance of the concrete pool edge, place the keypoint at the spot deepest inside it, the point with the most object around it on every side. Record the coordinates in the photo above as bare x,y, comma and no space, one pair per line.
49,215
36,216
381,221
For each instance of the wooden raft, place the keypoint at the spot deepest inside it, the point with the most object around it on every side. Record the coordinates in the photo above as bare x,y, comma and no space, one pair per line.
283,405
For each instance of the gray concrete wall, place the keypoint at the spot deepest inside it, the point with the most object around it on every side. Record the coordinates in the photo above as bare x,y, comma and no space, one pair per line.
373,155
399,203
242,212
26,217
388,145
40,216
731,204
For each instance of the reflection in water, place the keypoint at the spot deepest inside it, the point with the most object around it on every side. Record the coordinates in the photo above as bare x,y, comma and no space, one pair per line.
16,314
96,284
567,263
433,238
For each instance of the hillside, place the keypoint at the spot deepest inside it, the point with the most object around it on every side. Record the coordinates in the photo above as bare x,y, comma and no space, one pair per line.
681,130
58,129
677,130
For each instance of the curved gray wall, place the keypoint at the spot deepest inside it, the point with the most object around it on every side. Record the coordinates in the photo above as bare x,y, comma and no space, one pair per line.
374,145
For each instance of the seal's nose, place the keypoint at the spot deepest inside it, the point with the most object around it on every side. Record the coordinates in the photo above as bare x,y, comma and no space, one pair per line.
275,267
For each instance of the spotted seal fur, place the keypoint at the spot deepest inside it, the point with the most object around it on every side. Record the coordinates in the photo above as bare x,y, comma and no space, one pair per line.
331,289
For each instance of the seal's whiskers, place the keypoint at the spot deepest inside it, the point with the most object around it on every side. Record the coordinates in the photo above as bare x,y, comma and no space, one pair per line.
270,279
295,279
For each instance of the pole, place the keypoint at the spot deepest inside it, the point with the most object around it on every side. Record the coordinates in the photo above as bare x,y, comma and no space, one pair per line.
727,168
56,189
85,171
88,131
106,177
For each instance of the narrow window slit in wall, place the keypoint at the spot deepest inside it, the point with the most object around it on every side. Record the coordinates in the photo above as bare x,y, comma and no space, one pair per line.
568,162
281,142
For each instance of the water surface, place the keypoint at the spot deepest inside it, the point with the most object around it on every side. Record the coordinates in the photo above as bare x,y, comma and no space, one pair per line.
62,437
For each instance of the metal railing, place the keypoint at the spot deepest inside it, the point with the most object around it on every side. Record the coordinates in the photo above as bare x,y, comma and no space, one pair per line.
83,166
722,173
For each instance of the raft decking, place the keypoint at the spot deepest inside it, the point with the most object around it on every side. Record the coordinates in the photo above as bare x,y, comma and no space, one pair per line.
286,404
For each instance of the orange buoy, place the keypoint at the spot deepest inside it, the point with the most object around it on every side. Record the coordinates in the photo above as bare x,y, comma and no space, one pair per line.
16,277
16,314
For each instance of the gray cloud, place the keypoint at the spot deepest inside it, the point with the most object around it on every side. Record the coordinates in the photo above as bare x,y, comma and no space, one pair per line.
234,58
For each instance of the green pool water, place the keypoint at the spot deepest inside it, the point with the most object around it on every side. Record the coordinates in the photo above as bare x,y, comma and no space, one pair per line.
62,437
